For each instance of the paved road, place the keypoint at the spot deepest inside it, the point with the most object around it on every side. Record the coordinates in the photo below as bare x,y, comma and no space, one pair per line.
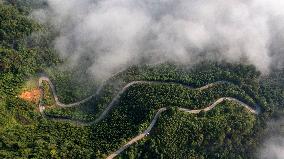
161,110
40,81
117,97
111,104
43,78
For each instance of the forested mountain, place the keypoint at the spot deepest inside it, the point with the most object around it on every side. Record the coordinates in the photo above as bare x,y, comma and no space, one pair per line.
229,130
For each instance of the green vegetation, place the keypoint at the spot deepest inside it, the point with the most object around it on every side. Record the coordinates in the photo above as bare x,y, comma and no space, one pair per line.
48,99
227,131
224,132
272,88
19,61
139,103
171,73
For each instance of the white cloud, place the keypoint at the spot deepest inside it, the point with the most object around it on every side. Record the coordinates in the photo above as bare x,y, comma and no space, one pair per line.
118,33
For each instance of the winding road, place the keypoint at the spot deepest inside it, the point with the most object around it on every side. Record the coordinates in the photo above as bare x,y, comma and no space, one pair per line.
117,97
161,110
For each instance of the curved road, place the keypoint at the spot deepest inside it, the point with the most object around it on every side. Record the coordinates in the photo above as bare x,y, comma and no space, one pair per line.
111,104
117,97
161,110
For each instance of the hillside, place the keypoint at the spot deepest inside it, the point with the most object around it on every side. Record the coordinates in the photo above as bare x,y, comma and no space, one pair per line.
167,110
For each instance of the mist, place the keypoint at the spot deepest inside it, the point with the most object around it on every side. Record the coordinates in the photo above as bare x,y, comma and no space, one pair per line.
274,148
273,145
115,34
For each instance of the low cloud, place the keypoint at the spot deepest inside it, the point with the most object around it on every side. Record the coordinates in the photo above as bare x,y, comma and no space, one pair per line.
273,145
274,148
114,34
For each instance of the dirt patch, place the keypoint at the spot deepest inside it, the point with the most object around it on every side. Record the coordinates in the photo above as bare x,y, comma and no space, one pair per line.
32,95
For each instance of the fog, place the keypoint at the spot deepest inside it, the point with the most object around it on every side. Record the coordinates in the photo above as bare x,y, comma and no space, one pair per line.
273,148
114,34
273,145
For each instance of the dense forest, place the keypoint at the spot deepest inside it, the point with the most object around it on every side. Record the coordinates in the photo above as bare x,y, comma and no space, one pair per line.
227,131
